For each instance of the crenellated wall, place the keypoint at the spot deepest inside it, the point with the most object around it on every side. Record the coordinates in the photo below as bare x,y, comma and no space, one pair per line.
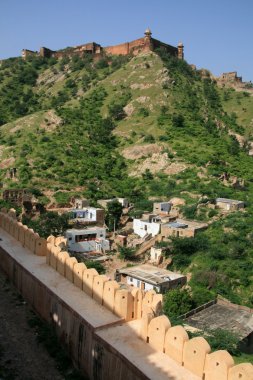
146,43
111,333
125,303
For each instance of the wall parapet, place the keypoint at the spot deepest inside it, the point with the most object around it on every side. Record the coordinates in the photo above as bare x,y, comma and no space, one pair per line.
194,355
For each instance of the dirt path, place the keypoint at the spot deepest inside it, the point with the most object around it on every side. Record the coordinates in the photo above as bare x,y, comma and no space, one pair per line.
21,356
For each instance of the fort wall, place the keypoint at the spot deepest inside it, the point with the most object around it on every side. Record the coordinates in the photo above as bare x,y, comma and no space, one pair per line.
146,43
133,342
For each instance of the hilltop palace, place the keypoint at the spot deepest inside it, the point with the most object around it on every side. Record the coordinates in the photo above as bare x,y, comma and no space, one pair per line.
146,43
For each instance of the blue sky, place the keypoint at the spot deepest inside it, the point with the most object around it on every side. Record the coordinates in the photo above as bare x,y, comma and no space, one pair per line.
217,34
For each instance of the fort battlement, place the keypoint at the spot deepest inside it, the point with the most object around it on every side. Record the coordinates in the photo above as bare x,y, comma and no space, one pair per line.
110,333
146,43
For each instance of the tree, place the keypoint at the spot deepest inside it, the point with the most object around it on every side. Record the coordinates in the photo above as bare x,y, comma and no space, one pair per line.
114,212
221,339
49,223
126,253
96,265
177,302
178,121
116,111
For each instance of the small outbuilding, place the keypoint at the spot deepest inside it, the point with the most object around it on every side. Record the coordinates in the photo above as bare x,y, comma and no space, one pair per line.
229,204
162,208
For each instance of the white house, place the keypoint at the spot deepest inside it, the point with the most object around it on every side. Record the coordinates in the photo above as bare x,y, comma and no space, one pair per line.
91,239
87,215
148,277
143,227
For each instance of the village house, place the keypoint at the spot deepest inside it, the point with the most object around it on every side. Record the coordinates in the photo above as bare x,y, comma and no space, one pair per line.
151,224
91,239
182,228
104,202
229,204
162,208
81,203
87,215
17,196
149,277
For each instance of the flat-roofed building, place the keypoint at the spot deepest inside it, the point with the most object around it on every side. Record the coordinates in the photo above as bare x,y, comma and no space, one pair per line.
87,215
229,204
91,239
148,225
225,315
182,228
148,277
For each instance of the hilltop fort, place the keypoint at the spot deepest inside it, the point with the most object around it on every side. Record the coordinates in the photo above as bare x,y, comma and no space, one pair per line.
146,43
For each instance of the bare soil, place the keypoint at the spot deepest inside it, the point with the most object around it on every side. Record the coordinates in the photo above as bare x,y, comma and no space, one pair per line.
21,356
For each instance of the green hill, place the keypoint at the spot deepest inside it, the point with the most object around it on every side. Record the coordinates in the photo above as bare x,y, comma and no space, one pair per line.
140,127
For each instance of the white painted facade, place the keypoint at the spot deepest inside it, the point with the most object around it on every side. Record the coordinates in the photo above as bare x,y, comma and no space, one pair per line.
144,227
88,214
155,254
141,284
87,240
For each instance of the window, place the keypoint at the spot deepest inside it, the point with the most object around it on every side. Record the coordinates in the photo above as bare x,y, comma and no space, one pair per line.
70,238
138,283
80,238
131,279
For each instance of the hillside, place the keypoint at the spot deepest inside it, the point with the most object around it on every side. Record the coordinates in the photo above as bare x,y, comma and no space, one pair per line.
140,127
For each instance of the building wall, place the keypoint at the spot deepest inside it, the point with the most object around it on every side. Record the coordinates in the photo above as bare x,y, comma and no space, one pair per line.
89,245
140,284
161,207
143,228
155,254
178,232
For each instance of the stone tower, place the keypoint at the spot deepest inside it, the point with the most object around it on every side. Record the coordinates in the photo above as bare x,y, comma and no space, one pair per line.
148,39
180,50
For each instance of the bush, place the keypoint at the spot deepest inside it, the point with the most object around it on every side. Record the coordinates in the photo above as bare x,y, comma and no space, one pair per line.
177,302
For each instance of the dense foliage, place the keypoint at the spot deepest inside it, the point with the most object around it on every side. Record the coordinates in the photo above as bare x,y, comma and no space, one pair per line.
107,106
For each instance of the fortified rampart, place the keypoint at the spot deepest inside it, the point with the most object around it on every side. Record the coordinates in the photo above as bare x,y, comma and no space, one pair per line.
146,43
110,333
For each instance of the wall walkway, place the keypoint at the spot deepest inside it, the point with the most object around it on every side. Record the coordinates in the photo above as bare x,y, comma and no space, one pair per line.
105,340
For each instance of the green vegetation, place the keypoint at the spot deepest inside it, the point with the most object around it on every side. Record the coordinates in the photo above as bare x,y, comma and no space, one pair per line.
113,214
48,223
64,126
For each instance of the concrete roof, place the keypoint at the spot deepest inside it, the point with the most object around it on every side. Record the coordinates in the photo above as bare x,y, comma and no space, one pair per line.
150,274
223,317
226,200
84,230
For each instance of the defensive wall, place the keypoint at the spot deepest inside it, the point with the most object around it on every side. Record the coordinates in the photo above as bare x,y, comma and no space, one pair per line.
146,43
110,333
